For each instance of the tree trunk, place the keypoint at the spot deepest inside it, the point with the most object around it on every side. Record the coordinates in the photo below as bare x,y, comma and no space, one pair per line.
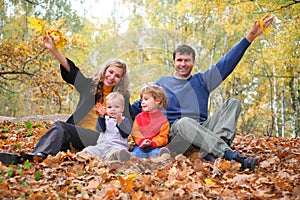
282,113
2,14
275,104
295,98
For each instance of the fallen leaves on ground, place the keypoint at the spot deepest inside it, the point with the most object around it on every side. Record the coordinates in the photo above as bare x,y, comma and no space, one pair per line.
69,176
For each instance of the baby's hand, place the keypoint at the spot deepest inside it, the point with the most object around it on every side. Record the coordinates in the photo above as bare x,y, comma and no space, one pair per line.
100,109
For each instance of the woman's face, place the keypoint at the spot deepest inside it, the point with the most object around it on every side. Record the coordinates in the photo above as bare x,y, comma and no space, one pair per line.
112,76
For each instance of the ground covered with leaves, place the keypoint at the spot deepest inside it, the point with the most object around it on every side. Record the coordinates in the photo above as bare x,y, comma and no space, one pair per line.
69,176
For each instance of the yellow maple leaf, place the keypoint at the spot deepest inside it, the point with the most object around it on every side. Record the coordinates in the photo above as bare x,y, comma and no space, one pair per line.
265,30
61,43
208,181
59,40
37,24
41,27
131,176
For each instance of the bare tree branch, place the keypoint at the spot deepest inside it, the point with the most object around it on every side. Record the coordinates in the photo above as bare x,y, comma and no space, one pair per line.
16,72
286,6
35,3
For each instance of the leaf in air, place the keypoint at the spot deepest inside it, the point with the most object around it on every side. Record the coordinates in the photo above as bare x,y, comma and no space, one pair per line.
37,24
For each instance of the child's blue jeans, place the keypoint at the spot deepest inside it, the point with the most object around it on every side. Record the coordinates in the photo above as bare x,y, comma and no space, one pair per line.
145,152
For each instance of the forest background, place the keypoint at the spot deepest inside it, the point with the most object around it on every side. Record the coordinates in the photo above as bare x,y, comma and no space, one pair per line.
266,81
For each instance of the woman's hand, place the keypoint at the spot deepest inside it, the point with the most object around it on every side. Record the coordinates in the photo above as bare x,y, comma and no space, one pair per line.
49,44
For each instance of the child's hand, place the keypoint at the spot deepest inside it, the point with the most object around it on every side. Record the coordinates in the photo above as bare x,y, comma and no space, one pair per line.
146,143
100,109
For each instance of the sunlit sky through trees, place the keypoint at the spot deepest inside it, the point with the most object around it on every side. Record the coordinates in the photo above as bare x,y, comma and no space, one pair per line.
98,11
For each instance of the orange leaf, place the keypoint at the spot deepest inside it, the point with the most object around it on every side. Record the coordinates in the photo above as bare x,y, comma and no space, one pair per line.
225,165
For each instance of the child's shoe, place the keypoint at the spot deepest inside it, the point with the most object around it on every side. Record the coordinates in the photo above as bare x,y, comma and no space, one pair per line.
124,155
163,150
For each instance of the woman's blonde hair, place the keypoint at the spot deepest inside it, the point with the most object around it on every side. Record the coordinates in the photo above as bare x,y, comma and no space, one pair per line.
121,87
158,93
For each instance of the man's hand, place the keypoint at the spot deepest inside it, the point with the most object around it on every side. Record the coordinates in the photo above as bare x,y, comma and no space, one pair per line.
257,29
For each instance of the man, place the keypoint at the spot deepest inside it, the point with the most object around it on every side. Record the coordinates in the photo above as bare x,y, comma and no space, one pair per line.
188,96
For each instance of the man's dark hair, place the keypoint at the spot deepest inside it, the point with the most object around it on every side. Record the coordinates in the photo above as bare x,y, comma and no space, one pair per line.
184,49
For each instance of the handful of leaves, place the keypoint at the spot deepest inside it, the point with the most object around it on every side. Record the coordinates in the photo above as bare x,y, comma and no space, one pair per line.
40,27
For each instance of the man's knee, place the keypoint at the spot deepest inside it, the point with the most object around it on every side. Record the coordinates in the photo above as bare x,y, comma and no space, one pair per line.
178,124
233,103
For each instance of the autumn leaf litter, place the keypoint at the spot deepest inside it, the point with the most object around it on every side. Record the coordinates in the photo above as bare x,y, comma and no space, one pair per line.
70,176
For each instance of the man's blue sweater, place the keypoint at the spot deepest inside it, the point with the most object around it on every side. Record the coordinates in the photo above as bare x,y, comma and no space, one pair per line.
189,98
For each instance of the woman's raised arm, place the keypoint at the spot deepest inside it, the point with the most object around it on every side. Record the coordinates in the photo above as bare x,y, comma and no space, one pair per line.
58,55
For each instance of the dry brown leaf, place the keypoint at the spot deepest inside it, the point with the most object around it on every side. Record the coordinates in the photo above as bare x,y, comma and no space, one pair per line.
198,164
93,184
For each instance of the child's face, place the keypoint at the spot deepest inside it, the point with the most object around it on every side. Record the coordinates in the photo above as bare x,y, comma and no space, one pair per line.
114,107
148,103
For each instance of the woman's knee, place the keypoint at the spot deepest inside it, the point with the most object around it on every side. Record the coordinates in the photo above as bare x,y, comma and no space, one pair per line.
59,124
58,127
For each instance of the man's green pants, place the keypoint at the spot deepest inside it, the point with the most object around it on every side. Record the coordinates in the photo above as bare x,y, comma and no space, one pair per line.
211,136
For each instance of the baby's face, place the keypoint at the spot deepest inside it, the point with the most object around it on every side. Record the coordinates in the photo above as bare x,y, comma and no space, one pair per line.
114,108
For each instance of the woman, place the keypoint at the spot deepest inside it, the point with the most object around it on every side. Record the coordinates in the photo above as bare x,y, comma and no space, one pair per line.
80,128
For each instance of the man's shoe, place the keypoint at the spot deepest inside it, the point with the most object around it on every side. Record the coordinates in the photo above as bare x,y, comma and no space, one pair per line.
10,158
163,150
33,157
246,162
209,157
249,163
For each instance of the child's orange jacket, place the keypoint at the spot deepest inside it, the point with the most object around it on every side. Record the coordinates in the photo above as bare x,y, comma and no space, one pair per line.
153,126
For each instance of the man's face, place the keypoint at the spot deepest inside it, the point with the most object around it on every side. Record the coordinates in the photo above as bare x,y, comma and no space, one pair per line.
183,65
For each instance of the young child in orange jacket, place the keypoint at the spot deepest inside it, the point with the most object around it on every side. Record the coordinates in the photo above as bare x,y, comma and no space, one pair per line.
151,128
